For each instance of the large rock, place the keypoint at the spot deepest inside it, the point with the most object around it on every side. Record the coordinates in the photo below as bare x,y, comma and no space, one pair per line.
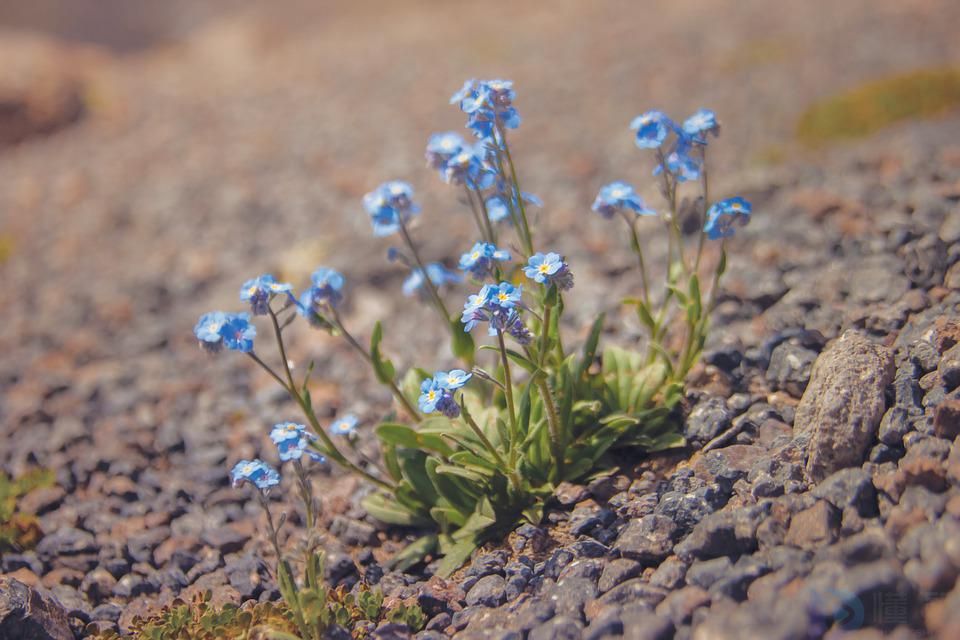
26,614
841,409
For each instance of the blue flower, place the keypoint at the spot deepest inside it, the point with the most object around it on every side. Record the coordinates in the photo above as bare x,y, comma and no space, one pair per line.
722,216
652,128
487,103
327,286
389,205
345,425
207,330
679,162
549,269
441,147
700,124
513,325
475,308
619,196
453,379
479,261
293,440
497,305
439,275
506,295
259,291
468,166
256,472
434,397
238,333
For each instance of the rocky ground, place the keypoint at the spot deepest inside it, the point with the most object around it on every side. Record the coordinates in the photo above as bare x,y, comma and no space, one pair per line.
823,476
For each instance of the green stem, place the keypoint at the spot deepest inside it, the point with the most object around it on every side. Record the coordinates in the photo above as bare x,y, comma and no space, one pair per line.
480,215
268,369
518,194
545,333
511,407
271,529
553,423
635,243
394,389
706,206
306,493
492,449
434,294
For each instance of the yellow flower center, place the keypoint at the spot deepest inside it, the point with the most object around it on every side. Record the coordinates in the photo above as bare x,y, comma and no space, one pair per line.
432,395
248,469
252,290
543,268
475,255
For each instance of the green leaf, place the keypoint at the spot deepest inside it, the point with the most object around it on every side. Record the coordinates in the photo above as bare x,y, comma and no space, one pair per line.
695,295
392,462
397,434
382,367
519,358
413,465
448,487
414,552
455,555
461,342
390,511
461,472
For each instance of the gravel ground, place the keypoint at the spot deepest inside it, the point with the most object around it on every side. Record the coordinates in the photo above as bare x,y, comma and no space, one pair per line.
823,473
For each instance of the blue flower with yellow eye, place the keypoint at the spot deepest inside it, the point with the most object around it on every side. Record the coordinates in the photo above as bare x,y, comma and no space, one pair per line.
293,440
439,275
453,379
259,291
389,205
479,261
700,124
475,308
255,472
238,332
487,103
468,167
652,129
620,196
327,287
430,394
207,330
345,425
723,216
548,269
435,397
441,147
506,295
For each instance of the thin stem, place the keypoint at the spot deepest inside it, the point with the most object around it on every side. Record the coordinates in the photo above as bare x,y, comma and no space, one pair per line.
271,529
277,331
635,242
480,216
484,439
306,493
511,407
437,300
553,423
545,333
706,205
268,369
394,389
518,194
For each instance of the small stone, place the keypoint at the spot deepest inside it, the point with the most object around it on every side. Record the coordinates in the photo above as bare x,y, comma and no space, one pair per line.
247,575
489,591
725,533
790,366
353,532
648,540
559,628
670,574
679,605
66,541
633,591
814,527
569,494
226,539
849,488
705,573
841,409
617,572
644,625
707,420
946,419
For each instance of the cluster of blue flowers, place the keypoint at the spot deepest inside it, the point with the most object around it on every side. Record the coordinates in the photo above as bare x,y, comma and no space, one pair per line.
654,128
618,197
390,206
217,329
722,216
488,105
293,441
324,294
436,393
481,260
549,269
255,472
499,305
260,290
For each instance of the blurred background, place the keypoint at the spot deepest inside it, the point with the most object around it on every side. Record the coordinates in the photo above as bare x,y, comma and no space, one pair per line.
155,154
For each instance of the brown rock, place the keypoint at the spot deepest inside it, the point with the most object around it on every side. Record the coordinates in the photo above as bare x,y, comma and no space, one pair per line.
43,500
927,471
27,614
814,527
946,418
841,409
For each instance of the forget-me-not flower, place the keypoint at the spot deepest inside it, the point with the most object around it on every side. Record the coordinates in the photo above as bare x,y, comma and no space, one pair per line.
724,215
619,196
652,129
479,261
487,103
548,269
439,275
258,292
238,332
499,306
700,124
256,472
434,397
468,166
207,330
293,440
389,205
679,161
344,426
441,147
453,379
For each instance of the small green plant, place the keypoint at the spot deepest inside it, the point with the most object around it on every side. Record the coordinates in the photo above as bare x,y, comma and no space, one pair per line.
472,452
870,107
18,530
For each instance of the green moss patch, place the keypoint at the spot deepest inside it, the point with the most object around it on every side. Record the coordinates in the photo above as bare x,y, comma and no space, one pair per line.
875,105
